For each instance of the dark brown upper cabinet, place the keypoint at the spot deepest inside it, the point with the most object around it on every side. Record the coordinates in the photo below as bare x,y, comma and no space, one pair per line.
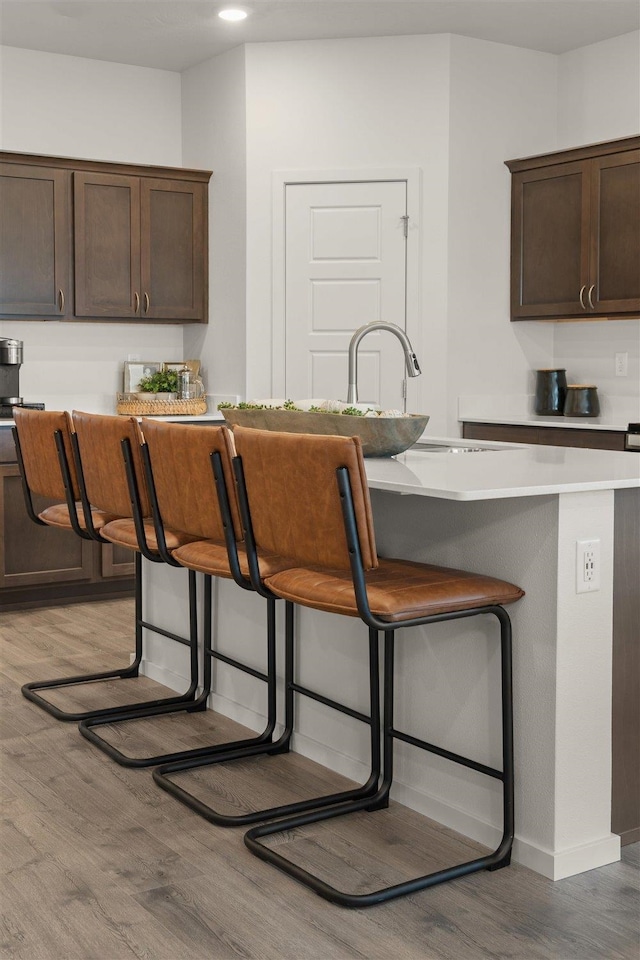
135,241
139,246
35,241
575,233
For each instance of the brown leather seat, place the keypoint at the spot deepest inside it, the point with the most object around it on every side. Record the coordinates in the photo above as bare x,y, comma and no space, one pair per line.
309,501
180,459
181,462
45,445
111,475
45,475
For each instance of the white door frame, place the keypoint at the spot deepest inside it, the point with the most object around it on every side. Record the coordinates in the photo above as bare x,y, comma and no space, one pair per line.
283,178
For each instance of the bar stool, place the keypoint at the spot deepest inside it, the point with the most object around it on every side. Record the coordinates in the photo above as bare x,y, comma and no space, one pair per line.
44,447
180,458
111,476
309,500
178,461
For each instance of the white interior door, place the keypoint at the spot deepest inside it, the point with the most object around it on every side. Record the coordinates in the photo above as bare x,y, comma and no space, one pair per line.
345,265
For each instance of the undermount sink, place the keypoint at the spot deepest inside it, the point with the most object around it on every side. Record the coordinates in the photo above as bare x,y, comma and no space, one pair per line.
454,448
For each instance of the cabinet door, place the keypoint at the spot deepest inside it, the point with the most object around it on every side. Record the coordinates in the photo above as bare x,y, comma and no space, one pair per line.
174,249
615,237
107,245
550,241
35,241
116,561
31,554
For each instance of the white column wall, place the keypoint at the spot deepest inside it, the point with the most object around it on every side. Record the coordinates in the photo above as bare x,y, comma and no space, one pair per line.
214,137
503,105
90,109
349,105
599,99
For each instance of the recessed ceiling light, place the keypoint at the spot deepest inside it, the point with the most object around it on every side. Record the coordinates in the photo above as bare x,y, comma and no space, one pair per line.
233,14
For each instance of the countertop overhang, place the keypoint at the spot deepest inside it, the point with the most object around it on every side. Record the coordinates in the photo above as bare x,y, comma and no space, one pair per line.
499,471
502,470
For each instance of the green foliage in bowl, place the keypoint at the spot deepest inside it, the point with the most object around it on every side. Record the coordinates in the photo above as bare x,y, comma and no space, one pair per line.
164,381
290,405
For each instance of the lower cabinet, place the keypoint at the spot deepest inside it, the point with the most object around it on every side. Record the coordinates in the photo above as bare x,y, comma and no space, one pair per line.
625,719
40,566
550,436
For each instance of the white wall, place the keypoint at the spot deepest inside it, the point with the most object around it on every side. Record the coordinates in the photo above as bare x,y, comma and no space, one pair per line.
502,106
599,99
353,105
73,107
599,91
214,137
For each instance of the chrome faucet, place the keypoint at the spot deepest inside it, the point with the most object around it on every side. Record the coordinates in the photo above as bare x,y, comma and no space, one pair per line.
413,367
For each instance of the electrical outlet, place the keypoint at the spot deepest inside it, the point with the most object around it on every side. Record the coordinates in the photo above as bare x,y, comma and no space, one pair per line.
133,357
587,566
622,364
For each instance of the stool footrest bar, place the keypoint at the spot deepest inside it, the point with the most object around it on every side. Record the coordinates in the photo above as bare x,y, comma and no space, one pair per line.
447,754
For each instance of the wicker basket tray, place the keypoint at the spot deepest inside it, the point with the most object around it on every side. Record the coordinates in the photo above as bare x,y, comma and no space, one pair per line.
160,408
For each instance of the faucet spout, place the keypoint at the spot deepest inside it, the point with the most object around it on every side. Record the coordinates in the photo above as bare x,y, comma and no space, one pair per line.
411,361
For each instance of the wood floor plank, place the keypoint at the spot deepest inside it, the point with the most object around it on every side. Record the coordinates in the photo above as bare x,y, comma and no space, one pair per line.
98,863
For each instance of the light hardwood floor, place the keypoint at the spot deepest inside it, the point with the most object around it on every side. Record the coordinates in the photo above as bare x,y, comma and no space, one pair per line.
99,864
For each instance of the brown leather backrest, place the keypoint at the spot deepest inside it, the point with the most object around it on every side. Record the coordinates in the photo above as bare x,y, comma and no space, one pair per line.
36,429
100,444
294,499
180,457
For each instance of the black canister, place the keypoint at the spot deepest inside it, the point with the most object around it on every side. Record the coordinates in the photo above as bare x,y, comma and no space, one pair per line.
582,400
551,392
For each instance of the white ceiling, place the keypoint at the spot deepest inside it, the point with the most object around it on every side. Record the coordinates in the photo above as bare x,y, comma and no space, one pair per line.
176,34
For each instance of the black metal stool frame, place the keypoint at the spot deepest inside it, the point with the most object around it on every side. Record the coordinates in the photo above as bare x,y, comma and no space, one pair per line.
501,856
282,745
29,690
190,756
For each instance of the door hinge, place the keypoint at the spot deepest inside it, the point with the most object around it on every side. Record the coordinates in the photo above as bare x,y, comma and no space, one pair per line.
405,224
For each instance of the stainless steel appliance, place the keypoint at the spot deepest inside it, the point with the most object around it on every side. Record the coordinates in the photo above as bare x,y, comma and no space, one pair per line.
10,363
632,438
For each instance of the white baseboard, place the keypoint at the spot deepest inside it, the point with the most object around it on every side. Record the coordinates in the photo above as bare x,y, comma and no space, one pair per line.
555,866
168,678
567,863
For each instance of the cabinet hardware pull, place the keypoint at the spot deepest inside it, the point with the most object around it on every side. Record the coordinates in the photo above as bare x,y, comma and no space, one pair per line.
589,295
582,290
136,302
146,303
61,300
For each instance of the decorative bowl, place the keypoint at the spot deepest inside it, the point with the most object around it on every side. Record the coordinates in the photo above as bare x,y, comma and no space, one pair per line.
381,436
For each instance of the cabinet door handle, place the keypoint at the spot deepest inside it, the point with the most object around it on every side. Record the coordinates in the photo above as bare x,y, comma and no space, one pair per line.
61,300
589,295
147,303
136,302
582,290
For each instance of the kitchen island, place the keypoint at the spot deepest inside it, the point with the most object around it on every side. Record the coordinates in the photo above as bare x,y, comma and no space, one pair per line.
514,512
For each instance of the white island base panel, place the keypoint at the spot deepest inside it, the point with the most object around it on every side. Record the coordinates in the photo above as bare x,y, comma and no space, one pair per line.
448,689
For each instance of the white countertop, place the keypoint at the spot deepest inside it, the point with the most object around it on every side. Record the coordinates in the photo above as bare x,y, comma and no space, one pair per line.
615,412
499,471
502,470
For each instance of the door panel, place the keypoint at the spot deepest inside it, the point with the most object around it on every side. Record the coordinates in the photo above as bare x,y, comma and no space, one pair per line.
32,554
107,245
615,250
550,248
345,262
34,241
173,236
